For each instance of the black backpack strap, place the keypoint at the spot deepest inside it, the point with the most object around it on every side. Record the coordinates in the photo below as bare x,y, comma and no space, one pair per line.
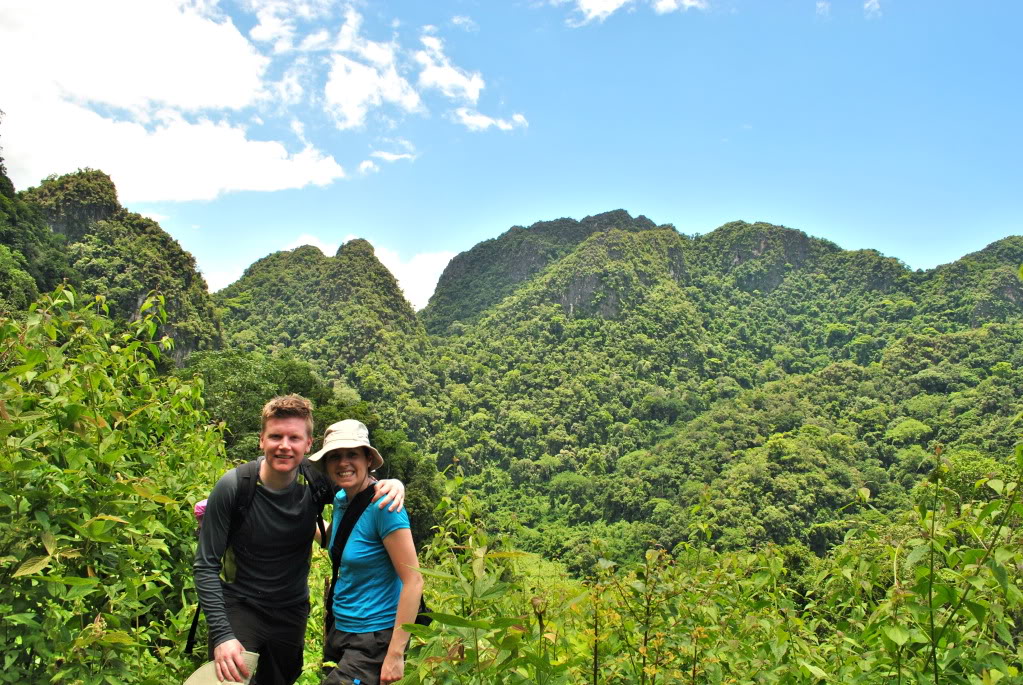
248,476
190,643
344,530
322,492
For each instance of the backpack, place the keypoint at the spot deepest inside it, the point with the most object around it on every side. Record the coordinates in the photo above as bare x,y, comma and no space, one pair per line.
248,475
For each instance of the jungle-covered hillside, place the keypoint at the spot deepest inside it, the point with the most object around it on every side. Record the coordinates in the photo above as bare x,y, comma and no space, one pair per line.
633,455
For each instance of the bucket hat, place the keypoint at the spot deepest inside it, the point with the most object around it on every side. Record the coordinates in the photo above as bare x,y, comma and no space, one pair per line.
207,673
345,435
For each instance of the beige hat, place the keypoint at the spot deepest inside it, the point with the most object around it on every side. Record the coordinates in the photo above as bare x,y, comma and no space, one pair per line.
207,673
347,434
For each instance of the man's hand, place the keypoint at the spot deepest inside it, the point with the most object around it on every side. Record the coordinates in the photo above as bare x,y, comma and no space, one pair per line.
230,665
393,668
390,490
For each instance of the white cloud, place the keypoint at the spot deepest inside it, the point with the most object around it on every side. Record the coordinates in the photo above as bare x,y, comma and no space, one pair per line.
169,96
475,121
289,90
368,166
392,156
872,8
197,161
109,86
217,279
438,72
154,216
316,41
350,40
599,10
418,276
128,54
401,142
464,22
823,8
273,28
665,6
353,88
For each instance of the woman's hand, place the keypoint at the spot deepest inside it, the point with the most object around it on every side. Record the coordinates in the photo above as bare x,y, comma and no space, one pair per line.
390,490
393,669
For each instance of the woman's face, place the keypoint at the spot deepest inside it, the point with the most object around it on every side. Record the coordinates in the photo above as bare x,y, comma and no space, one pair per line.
348,467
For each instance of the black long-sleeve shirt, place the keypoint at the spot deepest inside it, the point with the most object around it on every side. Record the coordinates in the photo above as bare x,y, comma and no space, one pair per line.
268,559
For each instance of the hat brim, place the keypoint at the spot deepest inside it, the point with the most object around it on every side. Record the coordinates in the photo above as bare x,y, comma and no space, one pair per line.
375,460
207,673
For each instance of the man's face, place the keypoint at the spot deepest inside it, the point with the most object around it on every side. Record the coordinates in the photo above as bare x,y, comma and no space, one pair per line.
284,442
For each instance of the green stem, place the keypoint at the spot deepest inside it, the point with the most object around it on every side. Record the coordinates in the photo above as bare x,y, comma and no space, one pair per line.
930,582
596,635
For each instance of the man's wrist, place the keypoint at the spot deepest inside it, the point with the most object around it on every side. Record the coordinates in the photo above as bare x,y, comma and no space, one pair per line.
219,641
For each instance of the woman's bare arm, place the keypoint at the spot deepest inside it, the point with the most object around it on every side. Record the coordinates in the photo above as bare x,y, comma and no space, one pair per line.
403,555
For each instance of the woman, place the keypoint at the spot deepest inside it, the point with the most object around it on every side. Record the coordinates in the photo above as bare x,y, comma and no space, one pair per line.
379,586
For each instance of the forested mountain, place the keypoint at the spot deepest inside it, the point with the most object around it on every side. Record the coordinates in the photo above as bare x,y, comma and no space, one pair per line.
607,378
345,314
32,257
743,384
788,419
482,276
73,227
616,380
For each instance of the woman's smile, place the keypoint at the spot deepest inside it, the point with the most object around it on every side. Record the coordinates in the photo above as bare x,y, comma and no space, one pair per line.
348,467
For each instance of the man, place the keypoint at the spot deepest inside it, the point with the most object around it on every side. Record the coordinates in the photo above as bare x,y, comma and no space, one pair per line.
255,590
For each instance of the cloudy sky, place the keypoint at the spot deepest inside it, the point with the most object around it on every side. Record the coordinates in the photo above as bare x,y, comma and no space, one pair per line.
250,126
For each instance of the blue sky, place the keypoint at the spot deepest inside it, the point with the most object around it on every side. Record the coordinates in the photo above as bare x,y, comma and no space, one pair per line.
251,126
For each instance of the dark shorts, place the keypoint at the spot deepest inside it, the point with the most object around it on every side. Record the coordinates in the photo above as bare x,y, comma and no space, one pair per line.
357,655
278,635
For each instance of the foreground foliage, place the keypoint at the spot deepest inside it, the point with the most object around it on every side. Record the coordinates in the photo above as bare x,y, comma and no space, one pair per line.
933,597
102,458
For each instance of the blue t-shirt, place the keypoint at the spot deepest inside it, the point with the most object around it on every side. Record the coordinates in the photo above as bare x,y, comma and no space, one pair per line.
367,590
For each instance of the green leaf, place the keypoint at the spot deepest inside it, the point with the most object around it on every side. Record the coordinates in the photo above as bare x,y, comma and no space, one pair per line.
813,669
897,634
431,573
24,619
978,610
32,565
117,637
1002,554
1003,632
49,542
150,495
916,554
1000,574
74,581
108,517
575,600
458,621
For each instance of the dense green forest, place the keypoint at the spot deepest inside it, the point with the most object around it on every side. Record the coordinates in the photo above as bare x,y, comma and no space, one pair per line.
633,455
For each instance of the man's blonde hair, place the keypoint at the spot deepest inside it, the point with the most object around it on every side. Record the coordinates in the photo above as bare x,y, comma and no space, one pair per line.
287,406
